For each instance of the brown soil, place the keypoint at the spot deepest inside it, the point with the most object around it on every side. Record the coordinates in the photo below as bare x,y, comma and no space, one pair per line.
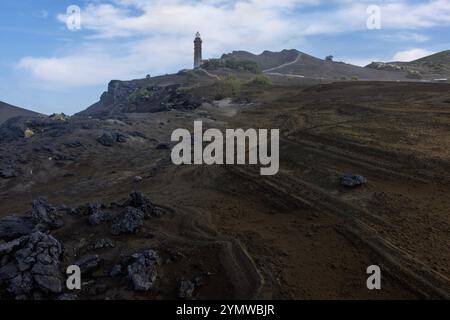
296,235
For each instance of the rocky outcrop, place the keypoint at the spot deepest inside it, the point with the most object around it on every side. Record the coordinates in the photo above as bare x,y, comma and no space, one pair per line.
108,139
140,97
45,216
129,221
30,264
385,66
142,271
30,259
97,215
139,201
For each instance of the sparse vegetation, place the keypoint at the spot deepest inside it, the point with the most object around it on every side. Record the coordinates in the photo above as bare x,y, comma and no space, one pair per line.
329,58
229,87
234,64
60,117
28,133
184,90
261,79
414,74
355,78
140,94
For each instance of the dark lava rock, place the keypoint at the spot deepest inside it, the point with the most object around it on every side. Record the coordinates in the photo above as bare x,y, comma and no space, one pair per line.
138,179
186,289
109,139
104,244
31,263
140,201
116,271
13,129
143,270
8,247
125,97
351,181
129,221
46,216
163,146
8,172
68,297
89,263
12,227
64,157
98,216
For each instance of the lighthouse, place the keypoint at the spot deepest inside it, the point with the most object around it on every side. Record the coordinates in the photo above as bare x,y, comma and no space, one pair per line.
197,51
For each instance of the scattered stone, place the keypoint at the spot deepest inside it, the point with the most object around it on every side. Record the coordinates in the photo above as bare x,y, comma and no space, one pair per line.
351,181
138,179
129,221
64,157
68,297
104,244
143,270
140,201
97,215
89,263
186,289
45,216
116,271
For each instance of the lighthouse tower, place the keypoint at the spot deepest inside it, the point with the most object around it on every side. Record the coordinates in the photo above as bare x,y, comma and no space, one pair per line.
197,51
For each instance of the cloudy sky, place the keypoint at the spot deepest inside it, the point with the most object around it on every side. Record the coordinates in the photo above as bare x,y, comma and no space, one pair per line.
47,67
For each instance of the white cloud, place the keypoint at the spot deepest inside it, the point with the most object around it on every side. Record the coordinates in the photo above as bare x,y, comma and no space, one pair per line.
97,64
128,38
411,55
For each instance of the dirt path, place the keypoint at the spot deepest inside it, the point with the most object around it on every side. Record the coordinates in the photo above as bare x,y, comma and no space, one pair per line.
284,64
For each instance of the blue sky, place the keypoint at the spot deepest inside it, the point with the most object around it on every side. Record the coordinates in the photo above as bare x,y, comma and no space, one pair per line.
46,67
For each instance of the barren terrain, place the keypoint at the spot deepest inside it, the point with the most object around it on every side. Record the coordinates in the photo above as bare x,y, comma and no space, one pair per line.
236,234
